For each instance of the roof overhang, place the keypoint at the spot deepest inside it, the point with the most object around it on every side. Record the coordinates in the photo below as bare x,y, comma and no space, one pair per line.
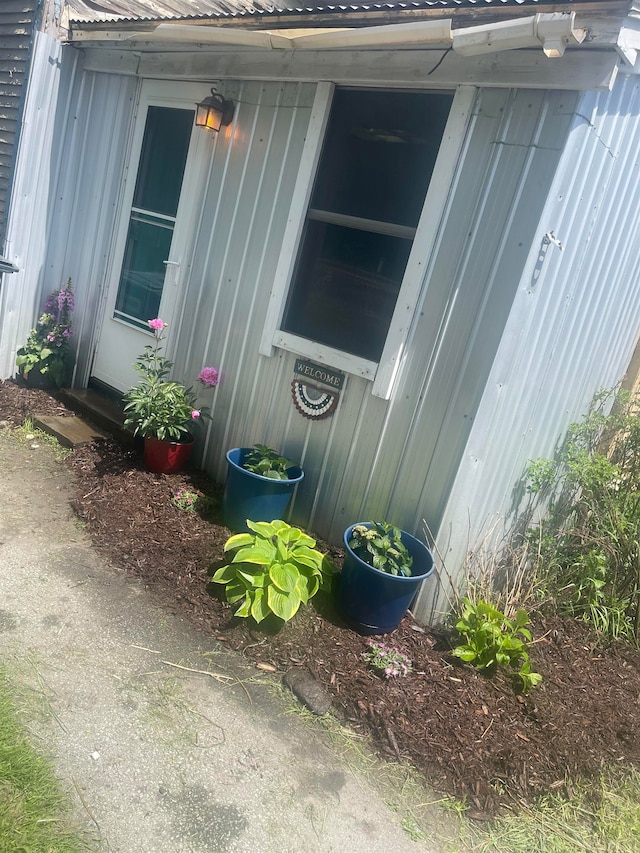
553,32
413,53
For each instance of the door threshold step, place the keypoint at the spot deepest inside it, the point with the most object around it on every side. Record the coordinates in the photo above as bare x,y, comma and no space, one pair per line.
70,431
99,409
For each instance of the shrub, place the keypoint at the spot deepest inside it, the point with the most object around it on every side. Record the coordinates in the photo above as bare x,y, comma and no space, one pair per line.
492,640
587,544
274,569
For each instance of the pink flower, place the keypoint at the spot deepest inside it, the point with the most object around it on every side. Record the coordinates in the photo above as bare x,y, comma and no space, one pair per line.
195,414
209,376
157,325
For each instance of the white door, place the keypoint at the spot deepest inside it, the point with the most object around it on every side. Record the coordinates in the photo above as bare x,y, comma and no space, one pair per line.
160,207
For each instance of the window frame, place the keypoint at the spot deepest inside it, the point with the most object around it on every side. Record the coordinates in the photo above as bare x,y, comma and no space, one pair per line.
383,373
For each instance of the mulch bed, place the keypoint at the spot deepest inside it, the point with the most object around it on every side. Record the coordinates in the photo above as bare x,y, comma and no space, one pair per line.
471,736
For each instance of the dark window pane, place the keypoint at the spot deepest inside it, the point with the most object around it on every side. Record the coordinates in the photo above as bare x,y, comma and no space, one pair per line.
379,153
347,284
164,154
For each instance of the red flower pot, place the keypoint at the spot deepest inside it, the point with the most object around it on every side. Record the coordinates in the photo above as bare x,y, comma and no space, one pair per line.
167,457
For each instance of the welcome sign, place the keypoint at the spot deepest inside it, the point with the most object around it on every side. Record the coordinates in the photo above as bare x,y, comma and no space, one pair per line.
315,389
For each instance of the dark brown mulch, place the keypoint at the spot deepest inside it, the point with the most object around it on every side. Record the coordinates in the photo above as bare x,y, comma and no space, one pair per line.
471,736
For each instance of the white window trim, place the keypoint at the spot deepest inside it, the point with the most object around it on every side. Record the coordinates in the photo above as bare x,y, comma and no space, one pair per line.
384,373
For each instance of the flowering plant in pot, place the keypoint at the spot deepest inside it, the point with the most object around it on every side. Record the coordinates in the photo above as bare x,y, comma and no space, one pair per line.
47,353
164,411
259,486
381,573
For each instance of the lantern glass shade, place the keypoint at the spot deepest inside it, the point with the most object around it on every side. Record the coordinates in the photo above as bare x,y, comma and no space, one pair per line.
214,112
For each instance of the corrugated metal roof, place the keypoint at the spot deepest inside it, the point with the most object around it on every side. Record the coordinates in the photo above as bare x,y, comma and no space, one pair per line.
111,11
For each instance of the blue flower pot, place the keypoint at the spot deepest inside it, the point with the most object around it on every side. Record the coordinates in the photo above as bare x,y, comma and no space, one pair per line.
372,601
252,496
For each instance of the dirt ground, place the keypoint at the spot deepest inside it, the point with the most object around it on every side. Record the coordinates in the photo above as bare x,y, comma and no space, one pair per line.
471,736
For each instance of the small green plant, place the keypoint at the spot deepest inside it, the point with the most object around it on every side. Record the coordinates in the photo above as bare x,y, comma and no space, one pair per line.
586,551
380,545
386,660
185,500
48,350
158,407
491,640
274,569
267,462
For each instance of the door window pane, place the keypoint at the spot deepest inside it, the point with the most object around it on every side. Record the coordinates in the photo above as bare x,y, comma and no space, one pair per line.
142,276
164,153
161,168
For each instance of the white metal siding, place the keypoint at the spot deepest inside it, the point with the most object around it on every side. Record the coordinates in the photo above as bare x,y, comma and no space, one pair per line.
65,190
570,332
373,458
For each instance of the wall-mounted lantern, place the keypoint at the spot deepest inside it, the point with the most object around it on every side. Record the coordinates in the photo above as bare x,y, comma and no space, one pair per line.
214,112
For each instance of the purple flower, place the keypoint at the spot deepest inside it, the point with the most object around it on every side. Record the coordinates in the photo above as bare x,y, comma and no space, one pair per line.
209,376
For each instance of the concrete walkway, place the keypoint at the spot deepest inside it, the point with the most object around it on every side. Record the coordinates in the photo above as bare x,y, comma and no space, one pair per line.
158,755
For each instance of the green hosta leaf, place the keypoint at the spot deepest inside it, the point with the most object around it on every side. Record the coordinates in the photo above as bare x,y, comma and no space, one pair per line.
259,608
245,608
308,557
224,574
302,589
264,529
284,577
313,585
283,604
262,554
235,591
237,541
253,579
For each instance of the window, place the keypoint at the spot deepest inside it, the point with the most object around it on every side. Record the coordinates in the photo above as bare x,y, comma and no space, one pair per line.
378,156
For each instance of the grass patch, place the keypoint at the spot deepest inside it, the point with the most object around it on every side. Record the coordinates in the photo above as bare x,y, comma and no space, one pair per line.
29,435
599,817
34,814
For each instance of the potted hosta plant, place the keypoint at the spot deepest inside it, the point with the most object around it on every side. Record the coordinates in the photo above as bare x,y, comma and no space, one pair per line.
46,358
382,570
275,568
259,486
164,412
